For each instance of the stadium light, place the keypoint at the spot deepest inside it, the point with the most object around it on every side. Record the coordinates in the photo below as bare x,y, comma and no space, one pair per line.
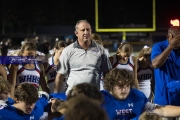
175,22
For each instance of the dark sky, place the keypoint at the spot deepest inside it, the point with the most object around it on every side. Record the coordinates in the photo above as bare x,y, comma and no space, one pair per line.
167,10
24,15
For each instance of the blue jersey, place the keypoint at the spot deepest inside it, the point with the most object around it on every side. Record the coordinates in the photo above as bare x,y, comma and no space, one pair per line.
168,72
60,118
60,95
129,108
9,101
4,103
11,113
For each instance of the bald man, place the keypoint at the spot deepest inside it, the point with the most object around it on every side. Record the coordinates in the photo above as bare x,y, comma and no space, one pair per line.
165,58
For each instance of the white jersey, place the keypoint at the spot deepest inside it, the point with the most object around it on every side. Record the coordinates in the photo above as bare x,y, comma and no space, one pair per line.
144,77
129,65
51,75
31,76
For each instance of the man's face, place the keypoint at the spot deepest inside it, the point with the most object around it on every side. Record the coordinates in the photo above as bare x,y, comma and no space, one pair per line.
25,107
121,92
170,39
83,32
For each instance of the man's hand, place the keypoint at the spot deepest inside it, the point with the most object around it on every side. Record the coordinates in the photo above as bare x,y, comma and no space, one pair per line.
174,42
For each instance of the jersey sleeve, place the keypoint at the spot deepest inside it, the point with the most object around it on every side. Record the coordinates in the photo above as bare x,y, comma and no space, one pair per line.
156,50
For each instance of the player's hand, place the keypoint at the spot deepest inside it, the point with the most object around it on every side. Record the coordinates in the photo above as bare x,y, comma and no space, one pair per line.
175,42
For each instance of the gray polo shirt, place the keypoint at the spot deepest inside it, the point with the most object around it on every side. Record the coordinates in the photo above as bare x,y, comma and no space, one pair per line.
80,65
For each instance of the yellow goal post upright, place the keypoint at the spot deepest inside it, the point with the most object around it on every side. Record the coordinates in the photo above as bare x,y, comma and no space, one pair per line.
124,30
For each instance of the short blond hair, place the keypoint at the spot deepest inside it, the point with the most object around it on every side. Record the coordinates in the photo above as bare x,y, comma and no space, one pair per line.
80,21
149,116
5,86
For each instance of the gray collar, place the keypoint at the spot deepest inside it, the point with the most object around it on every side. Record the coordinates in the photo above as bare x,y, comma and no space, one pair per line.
76,44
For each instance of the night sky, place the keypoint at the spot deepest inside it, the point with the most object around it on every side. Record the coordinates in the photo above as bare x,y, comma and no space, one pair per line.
25,15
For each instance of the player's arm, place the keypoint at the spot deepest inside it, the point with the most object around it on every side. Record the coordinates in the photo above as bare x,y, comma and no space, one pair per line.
3,72
58,82
135,72
42,81
13,74
167,111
